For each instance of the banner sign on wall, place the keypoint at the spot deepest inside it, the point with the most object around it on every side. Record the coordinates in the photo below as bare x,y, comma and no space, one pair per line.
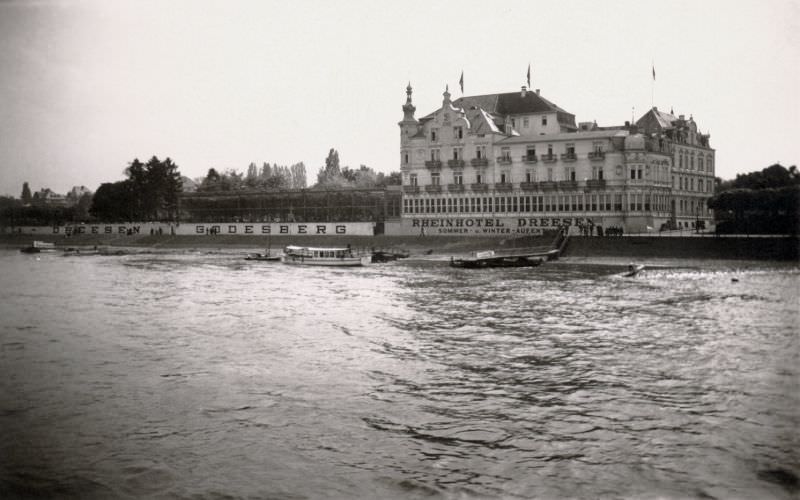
486,226
204,228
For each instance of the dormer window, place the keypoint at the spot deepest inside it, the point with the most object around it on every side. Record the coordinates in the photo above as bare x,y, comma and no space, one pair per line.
433,135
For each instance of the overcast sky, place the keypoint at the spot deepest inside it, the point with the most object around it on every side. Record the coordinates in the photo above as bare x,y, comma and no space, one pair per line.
87,86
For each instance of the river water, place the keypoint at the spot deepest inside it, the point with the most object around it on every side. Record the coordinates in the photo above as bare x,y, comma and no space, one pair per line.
188,374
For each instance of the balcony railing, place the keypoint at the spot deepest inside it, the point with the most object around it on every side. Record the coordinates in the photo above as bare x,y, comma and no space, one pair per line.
595,183
479,186
411,189
567,184
455,163
433,164
433,188
548,158
547,185
479,162
529,186
597,155
568,157
455,188
529,159
504,160
503,186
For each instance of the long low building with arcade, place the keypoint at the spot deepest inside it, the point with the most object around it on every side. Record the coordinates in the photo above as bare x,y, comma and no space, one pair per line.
517,163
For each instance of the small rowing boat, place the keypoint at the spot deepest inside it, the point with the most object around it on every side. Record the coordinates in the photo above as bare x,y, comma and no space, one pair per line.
633,270
265,257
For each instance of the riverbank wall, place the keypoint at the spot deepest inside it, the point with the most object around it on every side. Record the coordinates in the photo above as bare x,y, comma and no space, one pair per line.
634,247
688,247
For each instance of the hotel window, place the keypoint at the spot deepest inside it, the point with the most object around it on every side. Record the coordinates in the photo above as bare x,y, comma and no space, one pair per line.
458,132
435,179
433,134
473,205
480,152
458,153
570,150
580,203
525,123
597,146
691,160
434,155
700,163
514,204
594,203
530,152
405,157
570,174
618,202
412,179
647,202
529,176
500,203
680,159
505,153
487,202
458,178
691,183
544,121
478,178
710,164
550,174
550,150
503,178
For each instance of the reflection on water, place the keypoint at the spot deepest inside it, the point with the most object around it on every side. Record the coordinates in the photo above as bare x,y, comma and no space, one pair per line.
200,374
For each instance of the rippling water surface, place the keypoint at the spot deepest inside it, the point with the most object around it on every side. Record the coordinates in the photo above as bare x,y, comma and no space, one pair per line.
201,375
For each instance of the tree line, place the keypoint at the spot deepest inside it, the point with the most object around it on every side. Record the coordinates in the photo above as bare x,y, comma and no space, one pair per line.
151,191
761,202
276,177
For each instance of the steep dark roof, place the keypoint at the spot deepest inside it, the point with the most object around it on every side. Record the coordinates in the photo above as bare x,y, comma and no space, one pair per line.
511,103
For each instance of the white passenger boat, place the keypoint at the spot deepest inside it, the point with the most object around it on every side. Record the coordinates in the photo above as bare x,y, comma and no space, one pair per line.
39,246
312,256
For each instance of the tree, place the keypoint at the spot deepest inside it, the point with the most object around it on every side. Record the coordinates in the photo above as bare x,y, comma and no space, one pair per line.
331,174
26,193
114,202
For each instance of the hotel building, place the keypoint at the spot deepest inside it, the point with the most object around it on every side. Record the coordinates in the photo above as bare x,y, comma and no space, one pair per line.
517,163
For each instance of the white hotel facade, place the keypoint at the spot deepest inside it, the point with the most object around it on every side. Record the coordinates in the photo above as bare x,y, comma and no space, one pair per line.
516,163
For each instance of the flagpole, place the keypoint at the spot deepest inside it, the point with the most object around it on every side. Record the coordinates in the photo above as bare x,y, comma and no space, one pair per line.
653,86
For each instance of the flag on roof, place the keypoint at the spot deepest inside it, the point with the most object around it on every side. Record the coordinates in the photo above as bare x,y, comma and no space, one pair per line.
529,75
461,81
654,72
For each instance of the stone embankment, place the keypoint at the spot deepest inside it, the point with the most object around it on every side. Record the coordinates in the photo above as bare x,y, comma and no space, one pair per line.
579,247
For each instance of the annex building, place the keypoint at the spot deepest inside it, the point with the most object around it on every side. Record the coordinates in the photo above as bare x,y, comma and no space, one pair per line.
518,163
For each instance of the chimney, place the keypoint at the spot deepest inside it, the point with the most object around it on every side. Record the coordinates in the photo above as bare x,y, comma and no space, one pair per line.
524,91
537,91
